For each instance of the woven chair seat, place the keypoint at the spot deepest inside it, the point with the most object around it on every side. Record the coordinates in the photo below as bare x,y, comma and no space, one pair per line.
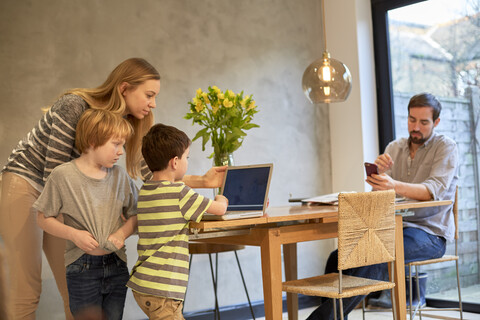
327,286
430,261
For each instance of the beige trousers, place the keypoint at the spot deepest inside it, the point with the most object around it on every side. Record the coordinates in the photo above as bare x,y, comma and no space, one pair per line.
23,243
158,308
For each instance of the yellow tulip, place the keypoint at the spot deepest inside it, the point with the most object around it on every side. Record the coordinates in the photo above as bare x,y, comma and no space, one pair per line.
221,96
199,91
230,93
199,107
227,103
251,105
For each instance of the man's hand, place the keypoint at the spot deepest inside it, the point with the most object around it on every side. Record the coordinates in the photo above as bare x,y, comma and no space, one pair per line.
84,240
384,162
381,182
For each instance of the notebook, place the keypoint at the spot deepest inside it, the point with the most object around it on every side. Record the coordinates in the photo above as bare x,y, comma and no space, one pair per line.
246,188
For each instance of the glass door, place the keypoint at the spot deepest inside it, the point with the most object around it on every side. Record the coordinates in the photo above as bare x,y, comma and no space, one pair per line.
434,46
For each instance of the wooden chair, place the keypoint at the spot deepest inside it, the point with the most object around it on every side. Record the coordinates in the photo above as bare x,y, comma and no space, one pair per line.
366,236
419,308
216,248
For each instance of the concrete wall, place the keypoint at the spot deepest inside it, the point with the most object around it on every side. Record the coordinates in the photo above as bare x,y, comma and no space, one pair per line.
261,47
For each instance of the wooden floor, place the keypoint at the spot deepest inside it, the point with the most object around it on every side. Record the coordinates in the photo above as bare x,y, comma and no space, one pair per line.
357,315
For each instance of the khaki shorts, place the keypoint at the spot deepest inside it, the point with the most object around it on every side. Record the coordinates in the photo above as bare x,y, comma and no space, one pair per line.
158,308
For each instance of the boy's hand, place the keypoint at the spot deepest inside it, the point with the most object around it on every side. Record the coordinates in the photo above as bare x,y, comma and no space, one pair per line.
221,198
117,239
84,240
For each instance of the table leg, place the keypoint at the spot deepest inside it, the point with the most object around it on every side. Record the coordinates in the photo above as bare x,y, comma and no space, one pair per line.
290,263
271,254
399,274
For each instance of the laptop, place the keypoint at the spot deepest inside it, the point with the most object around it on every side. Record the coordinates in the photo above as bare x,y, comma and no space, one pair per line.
246,188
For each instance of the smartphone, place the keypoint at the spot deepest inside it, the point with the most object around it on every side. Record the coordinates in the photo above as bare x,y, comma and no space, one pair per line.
371,168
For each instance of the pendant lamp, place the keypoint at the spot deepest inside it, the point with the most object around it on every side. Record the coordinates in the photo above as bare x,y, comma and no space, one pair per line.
326,80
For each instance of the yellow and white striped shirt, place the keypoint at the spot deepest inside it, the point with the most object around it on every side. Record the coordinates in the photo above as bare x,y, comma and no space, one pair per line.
164,212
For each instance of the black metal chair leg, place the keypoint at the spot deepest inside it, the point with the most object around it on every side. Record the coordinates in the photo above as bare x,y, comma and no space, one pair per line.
214,281
244,284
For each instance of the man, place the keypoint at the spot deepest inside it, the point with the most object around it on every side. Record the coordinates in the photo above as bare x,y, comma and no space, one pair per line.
423,166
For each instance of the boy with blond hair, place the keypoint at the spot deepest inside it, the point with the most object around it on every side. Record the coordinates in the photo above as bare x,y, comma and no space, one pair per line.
94,196
165,208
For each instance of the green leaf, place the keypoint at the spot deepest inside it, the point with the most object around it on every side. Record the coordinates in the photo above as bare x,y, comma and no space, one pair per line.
250,126
205,139
201,133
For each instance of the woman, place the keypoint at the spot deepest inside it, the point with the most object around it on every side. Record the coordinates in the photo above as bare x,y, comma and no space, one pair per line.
130,91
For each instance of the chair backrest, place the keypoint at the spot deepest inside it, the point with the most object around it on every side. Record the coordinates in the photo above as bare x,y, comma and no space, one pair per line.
366,228
455,213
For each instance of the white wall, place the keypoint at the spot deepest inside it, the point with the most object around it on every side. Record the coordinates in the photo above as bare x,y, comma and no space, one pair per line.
353,123
261,47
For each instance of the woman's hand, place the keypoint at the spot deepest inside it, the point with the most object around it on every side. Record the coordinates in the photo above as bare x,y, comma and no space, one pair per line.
214,177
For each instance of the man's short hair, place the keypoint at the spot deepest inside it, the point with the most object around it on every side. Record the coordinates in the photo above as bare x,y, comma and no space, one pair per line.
426,100
163,143
97,126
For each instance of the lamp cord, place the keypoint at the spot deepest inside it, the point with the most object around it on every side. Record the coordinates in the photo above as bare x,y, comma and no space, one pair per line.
323,23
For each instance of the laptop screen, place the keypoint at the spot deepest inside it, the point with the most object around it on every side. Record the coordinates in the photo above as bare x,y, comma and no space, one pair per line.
246,188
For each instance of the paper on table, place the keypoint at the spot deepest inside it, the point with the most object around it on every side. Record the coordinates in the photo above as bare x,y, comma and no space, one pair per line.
332,198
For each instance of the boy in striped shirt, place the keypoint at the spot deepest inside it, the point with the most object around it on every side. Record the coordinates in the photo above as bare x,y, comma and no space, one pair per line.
165,208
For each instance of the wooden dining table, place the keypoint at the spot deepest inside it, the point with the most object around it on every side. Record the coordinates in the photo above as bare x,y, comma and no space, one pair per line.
286,226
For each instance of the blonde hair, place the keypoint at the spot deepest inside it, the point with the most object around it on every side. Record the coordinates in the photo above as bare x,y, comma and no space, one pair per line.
97,126
108,96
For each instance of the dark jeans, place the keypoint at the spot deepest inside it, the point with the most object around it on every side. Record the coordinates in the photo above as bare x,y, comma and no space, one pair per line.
418,245
98,283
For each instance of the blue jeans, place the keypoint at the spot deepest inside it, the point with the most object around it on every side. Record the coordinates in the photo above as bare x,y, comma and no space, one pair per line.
418,245
98,284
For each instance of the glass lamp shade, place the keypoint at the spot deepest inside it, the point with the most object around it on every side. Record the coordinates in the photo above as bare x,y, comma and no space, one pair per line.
327,80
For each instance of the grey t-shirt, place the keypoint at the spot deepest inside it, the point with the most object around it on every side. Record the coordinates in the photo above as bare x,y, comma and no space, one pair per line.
89,204
435,165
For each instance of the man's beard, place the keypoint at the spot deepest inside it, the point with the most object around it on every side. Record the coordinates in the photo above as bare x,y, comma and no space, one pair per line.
417,140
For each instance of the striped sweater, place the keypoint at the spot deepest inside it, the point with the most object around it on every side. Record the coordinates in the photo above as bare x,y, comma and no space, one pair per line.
50,143
164,212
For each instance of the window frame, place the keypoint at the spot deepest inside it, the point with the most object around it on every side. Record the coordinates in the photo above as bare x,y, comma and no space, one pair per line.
385,111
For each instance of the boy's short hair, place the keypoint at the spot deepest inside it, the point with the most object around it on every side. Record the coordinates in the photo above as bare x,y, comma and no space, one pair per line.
163,143
97,126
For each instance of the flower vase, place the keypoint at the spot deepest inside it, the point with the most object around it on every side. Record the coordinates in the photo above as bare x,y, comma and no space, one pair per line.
222,159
